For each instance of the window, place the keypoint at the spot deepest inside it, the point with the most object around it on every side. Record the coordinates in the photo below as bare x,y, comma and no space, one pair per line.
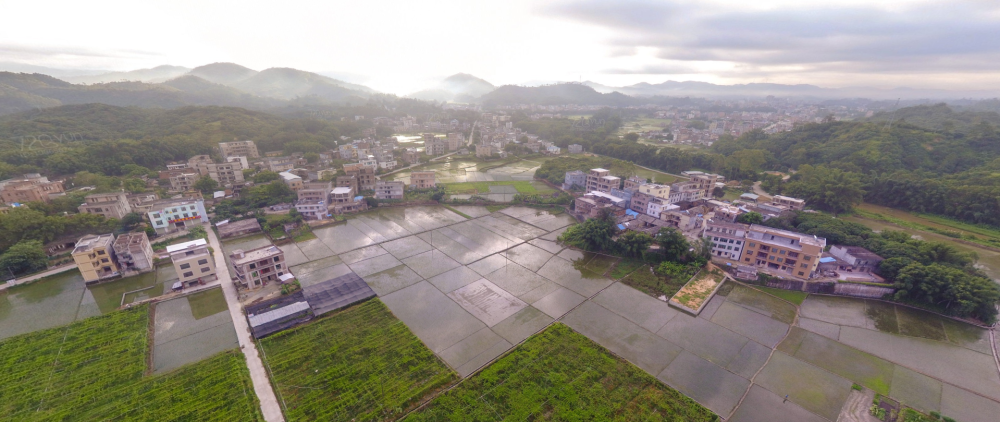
252,266
779,259
751,244
782,252
748,259
800,273
804,266
100,252
185,266
202,261
205,270
739,242
807,257
277,259
771,258
188,274
188,253
278,266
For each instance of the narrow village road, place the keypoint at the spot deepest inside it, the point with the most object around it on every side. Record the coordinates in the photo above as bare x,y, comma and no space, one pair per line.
33,277
261,384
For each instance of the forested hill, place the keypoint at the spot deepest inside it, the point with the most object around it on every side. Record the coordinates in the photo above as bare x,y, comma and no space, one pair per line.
103,138
872,147
954,173
217,85
942,117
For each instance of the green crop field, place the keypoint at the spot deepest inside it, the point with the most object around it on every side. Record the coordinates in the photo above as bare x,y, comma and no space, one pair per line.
561,375
484,187
360,364
93,370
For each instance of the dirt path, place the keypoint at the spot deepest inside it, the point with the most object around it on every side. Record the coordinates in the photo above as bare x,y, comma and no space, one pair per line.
856,407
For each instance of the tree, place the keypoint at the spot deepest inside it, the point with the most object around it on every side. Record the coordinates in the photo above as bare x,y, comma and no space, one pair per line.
752,217
311,157
633,244
593,235
206,185
718,192
25,256
672,243
265,176
134,185
150,232
632,137
828,189
129,221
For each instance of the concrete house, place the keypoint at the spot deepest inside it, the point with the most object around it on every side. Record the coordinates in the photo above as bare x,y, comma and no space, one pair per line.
257,267
110,205
133,253
193,262
95,257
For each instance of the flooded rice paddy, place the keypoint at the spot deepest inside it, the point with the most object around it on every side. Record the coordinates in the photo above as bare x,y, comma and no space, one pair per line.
191,328
471,289
63,298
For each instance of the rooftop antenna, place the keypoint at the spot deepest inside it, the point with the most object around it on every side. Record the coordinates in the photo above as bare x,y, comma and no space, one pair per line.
892,118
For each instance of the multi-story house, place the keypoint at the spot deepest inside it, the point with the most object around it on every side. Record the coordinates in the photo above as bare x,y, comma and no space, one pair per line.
365,176
279,164
193,262
728,238
633,183
348,182
422,180
31,188
341,195
705,181
315,191
200,163
226,174
176,214
242,148
787,201
639,202
388,189
601,180
312,209
793,253
685,192
292,180
183,182
575,149
95,258
110,205
133,253
455,141
257,267
575,178
411,155
656,191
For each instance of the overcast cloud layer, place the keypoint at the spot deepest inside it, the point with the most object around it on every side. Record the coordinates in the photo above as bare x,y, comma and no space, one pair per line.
402,46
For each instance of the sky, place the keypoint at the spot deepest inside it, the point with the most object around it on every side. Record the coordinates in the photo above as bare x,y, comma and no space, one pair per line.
401,46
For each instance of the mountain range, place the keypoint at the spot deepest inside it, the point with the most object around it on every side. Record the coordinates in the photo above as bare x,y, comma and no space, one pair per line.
802,91
460,87
24,87
222,84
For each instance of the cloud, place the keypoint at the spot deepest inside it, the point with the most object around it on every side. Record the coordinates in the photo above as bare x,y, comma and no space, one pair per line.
942,36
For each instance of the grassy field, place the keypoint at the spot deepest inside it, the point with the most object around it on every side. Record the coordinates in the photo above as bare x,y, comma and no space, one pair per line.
484,187
93,370
626,267
561,375
791,296
359,364
983,235
655,285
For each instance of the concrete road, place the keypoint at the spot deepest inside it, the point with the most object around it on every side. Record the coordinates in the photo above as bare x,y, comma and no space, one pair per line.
33,277
261,385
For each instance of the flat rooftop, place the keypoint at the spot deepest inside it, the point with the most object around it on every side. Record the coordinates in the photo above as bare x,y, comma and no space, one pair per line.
186,245
91,241
256,254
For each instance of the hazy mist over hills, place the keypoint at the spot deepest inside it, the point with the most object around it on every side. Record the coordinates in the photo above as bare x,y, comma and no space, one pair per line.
25,87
